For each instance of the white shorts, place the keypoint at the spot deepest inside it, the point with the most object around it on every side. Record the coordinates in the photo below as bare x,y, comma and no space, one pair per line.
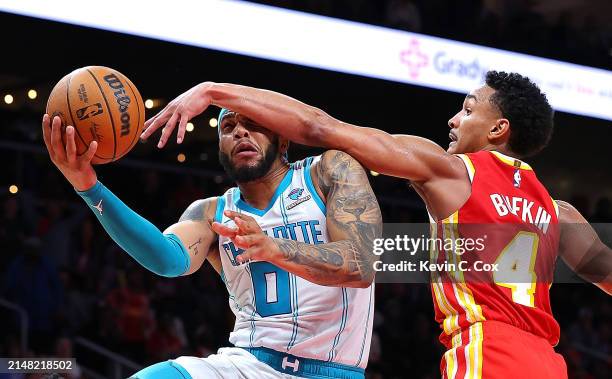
230,363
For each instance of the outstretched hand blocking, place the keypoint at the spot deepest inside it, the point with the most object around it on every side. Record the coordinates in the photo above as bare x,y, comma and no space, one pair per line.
76,168
248,236
182,109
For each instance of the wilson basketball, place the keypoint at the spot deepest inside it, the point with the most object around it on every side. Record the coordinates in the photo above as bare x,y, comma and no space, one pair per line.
103,105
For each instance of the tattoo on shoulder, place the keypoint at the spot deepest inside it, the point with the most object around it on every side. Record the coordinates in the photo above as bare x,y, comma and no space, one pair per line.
197,211
332,164
353,217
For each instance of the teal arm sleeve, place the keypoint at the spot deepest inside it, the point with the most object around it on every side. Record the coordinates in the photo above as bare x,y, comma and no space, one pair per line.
163,254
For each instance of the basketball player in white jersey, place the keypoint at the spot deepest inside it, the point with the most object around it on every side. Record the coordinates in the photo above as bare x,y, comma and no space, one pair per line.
304,303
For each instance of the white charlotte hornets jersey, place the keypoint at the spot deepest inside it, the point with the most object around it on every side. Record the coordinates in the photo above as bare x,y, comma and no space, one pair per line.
279,310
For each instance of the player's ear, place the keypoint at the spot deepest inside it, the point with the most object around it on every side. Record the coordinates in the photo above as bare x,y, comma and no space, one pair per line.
500,131
283,145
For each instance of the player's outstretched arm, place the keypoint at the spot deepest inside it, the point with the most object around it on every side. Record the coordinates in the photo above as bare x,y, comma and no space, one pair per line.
582,249
171,254
409,157
353,222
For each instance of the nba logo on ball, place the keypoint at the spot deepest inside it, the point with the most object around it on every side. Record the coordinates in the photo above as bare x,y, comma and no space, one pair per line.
89,111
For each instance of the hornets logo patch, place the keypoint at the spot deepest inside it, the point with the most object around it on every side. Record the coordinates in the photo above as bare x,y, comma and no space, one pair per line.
295,195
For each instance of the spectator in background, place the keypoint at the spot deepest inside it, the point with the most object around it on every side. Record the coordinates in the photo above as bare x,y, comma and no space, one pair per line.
32,281
57,227
150,192
12,229
132,314
87,253
79,303
165,341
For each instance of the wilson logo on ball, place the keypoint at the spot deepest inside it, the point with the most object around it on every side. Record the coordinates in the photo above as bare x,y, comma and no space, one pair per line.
89,111
123,100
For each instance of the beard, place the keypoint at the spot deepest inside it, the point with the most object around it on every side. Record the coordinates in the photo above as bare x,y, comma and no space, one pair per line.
248,173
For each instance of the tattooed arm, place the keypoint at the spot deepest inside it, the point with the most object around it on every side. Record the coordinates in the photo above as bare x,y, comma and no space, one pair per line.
193,229
353,221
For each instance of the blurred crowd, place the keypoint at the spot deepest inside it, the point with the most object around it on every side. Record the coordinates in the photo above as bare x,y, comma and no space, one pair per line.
570,30
61,267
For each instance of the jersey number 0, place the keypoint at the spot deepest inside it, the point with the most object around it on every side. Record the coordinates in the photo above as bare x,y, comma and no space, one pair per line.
272,289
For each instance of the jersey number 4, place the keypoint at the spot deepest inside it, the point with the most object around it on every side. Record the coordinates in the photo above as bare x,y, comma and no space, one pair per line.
516,267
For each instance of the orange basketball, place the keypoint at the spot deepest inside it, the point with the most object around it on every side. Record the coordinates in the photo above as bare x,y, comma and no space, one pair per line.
102,105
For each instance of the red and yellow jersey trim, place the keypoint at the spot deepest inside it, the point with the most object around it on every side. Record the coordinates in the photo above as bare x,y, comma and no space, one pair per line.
556,206
511,161
461,300
469,166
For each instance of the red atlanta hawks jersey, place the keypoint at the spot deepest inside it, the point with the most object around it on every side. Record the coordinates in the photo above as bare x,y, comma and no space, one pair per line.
500,263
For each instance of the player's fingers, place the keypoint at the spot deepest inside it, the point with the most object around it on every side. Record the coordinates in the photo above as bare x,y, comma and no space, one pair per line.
180,134
148,129
246,225
152,124
245,241
233,215
46,129
151,120
70,145
245,256
223,230
91,151
240,223
56,139
167,130
159,115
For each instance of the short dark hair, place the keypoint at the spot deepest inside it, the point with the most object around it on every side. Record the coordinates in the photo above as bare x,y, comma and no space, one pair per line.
526,107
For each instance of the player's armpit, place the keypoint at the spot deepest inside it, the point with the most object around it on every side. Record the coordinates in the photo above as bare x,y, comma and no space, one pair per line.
353,222
193,230
582,250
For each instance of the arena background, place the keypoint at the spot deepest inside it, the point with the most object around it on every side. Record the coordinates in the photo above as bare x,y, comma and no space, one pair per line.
85,298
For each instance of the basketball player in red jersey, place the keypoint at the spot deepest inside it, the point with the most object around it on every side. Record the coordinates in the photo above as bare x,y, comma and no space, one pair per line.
492,328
